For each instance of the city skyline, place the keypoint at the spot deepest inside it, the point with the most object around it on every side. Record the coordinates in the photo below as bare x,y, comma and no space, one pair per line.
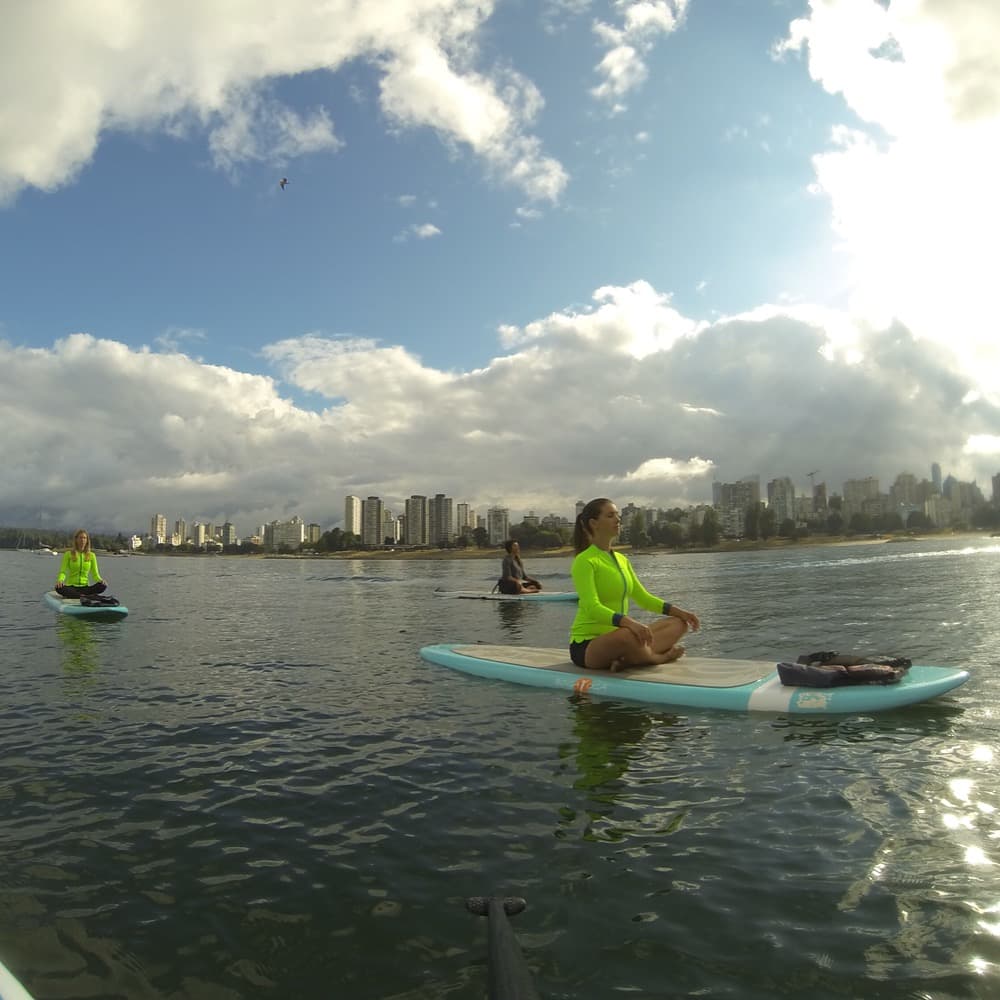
524,251
856,489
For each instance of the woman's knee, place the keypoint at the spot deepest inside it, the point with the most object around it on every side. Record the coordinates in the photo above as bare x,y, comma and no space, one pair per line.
674,626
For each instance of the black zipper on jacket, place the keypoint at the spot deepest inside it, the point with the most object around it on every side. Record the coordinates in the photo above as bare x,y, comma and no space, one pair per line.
618,566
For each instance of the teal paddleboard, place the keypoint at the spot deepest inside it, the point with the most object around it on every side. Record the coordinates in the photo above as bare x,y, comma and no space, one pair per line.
693,681
541,597
72,606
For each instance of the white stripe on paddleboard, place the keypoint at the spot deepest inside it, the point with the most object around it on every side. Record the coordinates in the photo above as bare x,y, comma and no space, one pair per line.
771,696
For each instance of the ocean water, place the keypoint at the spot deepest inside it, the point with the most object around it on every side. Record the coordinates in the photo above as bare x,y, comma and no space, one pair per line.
254,787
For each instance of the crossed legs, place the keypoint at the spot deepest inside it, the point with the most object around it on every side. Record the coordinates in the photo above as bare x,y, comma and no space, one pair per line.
65,590
621,648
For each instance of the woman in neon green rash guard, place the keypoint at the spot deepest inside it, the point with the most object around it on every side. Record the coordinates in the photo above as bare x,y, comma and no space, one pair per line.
78,565
603,635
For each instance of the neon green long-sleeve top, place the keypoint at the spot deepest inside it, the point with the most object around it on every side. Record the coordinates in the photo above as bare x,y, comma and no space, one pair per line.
76,569
605,583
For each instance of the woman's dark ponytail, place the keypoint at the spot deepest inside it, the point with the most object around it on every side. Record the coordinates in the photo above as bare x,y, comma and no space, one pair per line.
581,533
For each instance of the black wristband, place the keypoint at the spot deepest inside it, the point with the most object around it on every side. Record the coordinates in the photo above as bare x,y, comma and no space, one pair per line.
616,620
666,607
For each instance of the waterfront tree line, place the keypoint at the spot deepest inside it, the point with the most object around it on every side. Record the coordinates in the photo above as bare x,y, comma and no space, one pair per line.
673,529
31,538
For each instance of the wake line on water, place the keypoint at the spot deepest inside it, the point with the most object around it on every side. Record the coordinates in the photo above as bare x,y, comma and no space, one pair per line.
902,556
352,579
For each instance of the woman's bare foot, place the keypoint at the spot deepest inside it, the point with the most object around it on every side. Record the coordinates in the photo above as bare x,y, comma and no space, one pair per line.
620,663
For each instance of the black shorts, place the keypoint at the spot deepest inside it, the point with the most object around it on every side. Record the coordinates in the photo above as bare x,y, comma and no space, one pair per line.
578,652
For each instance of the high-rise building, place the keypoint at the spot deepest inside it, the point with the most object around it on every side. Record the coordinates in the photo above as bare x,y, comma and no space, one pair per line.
734,499
371,521
465,519
936,476
904,489
498,524
996,490
285,534
440,520
390,527
228,534
415,526
352,515
781,499
861,496
965,499
819,498
905,496
804,510
939,510
857,491
158,529
631,516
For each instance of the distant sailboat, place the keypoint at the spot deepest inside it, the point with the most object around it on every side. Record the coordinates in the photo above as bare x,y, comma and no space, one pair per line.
38,549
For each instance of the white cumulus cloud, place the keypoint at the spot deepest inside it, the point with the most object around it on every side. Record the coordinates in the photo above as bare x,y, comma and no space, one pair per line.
912,188
629,398
72,71
642,23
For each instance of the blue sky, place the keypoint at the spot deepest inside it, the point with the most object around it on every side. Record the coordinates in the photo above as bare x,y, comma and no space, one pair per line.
528,252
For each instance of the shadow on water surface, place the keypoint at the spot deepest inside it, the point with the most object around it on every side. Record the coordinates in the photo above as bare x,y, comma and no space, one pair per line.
511,617
609,738
80,656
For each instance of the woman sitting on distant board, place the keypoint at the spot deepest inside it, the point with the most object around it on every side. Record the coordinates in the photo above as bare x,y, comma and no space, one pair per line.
78,564
603,636
513,578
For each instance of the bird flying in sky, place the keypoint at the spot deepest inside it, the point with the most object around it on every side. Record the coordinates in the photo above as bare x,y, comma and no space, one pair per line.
282,183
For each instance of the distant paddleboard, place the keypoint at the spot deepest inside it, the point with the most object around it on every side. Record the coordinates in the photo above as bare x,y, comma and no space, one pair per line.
72,606
478,595
693,681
